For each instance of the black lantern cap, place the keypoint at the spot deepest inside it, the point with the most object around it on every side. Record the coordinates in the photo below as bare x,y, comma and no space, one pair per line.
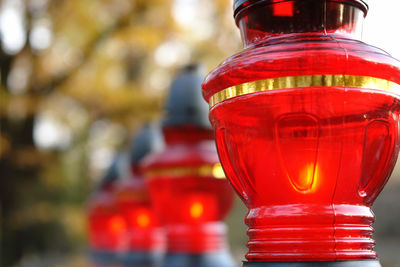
114,171
148,140
185,105
239,4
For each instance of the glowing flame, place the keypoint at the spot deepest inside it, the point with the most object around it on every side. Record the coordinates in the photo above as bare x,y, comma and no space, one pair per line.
143,219
307,176
308,179
196,209
117,224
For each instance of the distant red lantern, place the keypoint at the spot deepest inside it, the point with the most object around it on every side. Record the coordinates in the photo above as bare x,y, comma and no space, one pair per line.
189,190
306,121
143,241
106,226
187,185
122,227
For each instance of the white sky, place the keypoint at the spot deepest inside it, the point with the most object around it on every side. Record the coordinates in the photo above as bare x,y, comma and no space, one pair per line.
382,26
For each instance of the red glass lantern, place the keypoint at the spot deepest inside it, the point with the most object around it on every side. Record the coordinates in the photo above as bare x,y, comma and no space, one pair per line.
143,242
187,185
106,226
306,122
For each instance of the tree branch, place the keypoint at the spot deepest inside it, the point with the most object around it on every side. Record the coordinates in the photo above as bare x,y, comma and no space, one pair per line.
87,53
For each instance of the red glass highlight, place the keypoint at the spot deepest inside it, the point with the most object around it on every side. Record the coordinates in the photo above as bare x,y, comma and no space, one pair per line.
283,9
143,232
309,161
187,194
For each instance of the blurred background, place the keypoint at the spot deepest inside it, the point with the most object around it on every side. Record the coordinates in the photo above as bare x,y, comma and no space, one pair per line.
79,77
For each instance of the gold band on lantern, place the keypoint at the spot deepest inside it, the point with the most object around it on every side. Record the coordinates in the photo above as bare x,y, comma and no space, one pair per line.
215,171
290,82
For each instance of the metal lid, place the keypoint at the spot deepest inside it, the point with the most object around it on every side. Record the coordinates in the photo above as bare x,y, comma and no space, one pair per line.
185,105
148,140
114,171
239,4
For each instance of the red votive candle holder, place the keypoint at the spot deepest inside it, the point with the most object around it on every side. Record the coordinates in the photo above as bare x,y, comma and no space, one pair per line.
190,193
106,226
143,242
306,122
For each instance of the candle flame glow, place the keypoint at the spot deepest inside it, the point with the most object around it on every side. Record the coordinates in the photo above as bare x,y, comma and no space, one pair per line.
117,224
196,209
143,220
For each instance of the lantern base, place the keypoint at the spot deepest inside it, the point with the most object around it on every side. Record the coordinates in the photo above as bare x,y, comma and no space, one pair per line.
103,257
360,263
214,259
141,259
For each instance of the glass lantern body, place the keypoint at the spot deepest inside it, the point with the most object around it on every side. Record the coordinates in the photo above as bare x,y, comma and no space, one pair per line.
106,226
306,123
189,191
143,232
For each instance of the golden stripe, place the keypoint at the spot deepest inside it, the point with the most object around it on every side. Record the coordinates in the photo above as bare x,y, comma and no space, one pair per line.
215,171
290,82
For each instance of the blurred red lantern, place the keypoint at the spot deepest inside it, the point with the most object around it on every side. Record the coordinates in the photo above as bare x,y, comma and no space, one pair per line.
106,226
306,122
143,242
187,184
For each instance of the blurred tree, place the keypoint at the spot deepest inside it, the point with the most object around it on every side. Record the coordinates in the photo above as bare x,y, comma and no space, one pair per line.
76,77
